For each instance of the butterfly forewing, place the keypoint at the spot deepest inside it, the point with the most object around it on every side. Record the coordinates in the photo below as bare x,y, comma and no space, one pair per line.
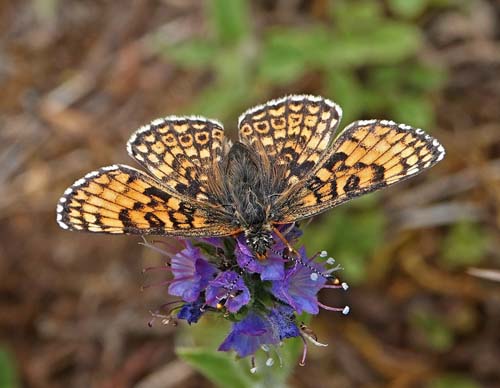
120,199
180,152
293,131
368,155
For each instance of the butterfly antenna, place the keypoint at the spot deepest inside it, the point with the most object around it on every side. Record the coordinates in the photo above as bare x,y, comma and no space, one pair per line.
296,258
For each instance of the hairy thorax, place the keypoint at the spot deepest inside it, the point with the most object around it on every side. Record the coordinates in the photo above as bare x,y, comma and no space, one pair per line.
246,191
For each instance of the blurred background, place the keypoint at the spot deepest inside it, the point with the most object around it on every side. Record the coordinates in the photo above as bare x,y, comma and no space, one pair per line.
78,77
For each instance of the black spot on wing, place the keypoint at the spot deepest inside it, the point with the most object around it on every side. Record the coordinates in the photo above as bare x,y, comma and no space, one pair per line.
352,183
153,220
124,217
335,158
154,191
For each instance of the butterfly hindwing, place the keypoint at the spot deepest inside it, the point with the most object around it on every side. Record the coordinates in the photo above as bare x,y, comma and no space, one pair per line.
293,132
180,152
368,155
120,199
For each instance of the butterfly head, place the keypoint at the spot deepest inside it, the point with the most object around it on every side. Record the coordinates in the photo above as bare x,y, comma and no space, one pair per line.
259,240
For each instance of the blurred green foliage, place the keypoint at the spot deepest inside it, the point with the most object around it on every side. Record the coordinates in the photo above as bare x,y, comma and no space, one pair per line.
8,374
360,52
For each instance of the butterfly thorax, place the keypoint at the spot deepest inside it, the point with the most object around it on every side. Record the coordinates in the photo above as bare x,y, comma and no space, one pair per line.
246,191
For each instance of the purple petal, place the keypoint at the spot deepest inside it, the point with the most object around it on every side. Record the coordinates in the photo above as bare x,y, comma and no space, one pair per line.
191,271
271,268
299,289
249,334
228,281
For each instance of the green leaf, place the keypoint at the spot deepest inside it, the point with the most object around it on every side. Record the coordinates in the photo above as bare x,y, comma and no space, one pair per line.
230,19
453,381
465,245
423,78
356,16
219,101
407,8
191,54
287,53
413,110
406,78
216,366
389,43
346,91
8,375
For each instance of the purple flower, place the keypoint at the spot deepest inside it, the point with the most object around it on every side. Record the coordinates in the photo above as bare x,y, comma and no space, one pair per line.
285,285
272,268
230,286
300,286
282,319
261,328
192,272
192,311
247,335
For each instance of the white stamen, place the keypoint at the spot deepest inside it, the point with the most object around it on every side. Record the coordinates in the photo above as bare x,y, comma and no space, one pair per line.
323,254
270,361
345,286
253,370
313,340
346,310
330,261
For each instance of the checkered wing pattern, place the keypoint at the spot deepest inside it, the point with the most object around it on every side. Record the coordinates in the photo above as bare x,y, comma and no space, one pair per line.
293,132
120,199
181,152
368,155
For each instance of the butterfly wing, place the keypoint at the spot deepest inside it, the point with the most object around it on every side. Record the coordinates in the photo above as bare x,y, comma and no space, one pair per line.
182,152
367,156
293,132
120,199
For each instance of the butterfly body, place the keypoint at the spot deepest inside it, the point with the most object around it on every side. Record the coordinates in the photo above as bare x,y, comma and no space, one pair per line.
249,192
288,165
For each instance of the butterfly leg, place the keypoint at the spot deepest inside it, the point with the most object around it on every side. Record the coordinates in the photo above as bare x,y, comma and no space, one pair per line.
290,249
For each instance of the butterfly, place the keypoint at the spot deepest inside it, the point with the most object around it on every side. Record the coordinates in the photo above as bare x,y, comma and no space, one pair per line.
288,165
